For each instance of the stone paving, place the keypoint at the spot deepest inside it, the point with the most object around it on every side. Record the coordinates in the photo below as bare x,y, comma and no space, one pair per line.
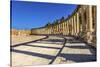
46,51
74,52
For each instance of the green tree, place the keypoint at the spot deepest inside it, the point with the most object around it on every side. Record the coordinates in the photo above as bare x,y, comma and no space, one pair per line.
48,24
55,22
62,19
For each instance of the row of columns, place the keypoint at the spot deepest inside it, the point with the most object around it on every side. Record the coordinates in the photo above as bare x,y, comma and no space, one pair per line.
69,27
75,25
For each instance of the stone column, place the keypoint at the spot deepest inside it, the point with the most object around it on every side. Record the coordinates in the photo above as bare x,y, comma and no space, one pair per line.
72,26
75,21
58,28
49,30
54,29
77,18
89,34
67,27
63,28
74,31
90,18
66,30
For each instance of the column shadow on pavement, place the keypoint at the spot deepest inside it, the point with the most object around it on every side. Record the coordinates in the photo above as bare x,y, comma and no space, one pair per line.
79,57
33,54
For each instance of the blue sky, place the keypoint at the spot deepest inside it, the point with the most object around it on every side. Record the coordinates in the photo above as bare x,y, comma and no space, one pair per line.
27,15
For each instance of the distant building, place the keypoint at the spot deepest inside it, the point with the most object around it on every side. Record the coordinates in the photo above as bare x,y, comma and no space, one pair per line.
20,32
14,32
